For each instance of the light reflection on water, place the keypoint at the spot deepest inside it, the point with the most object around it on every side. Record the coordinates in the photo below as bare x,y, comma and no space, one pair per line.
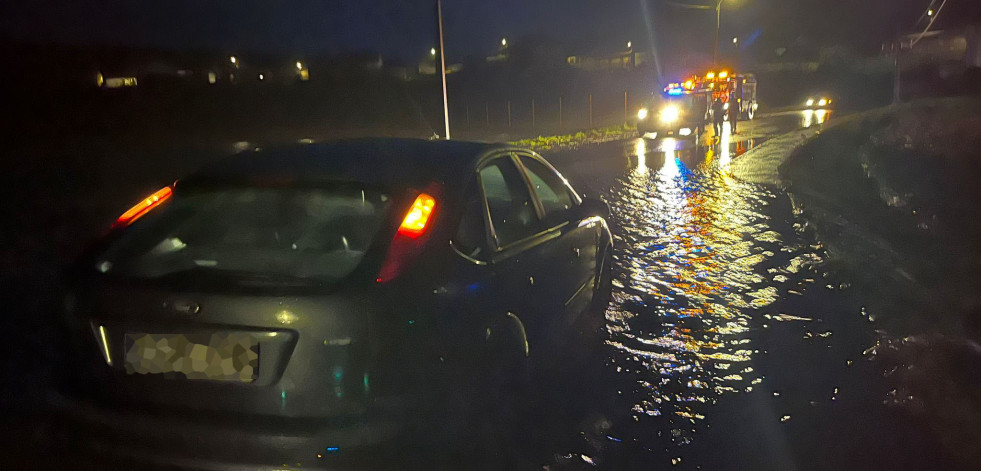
811,117
692,246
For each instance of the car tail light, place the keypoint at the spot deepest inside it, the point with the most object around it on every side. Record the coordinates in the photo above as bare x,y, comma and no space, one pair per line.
416,219
408,241
143,207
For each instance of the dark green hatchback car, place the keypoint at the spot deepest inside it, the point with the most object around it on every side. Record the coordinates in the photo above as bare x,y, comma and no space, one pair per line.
287,305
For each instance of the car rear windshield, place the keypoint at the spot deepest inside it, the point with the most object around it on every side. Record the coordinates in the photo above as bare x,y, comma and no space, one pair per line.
253,235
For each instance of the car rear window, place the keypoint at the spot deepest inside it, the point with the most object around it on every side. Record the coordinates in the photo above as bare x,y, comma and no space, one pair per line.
252,234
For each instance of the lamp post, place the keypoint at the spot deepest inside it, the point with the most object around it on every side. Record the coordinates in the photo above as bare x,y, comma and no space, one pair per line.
718,23
442,68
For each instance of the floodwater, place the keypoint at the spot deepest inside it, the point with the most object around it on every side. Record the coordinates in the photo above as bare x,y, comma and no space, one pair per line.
730,346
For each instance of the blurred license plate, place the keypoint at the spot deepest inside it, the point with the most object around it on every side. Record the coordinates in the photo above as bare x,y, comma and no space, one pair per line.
216,357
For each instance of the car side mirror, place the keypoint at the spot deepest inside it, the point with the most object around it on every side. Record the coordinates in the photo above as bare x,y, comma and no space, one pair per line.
591,206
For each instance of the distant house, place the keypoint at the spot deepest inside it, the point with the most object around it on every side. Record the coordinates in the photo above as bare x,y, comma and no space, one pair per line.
430,66
937,46
620,60
972,54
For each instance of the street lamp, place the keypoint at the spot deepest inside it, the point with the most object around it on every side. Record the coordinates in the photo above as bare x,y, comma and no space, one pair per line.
930,12
504,42
432,51
299,65
233,60
630,44
718,22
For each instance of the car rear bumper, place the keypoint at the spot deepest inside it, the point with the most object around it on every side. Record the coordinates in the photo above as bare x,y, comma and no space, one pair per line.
99,436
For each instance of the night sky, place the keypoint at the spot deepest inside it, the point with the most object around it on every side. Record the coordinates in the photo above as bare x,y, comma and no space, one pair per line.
405,29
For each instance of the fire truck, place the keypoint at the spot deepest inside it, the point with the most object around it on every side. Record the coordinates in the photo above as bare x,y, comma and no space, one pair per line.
735,90
682,109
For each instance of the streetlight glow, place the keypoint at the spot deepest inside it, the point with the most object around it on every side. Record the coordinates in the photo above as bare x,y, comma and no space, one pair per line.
930,12
299,65
504,42
735,40
233,60
630,44
432,52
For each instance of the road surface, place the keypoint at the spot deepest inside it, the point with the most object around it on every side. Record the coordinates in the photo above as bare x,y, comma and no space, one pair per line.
730,347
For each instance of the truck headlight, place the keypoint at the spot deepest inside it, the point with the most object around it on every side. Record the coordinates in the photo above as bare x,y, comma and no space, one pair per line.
810,102
823,102
642,114
670,114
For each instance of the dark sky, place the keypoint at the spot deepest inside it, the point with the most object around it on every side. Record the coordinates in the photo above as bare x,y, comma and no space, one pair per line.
405,29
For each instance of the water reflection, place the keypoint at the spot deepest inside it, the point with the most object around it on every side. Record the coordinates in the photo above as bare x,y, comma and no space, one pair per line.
813,117
691,246
640,151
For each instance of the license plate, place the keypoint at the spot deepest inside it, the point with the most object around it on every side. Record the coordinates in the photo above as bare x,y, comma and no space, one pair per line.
215,357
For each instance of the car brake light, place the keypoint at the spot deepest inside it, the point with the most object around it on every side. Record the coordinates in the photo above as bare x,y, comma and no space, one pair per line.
408,241
143,207
414,223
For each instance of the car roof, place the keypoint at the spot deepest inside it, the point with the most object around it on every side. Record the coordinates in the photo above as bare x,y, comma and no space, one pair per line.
383,162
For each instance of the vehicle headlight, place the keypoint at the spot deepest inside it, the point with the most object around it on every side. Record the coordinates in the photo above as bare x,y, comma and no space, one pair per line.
810,102
823,102
642,114
670,114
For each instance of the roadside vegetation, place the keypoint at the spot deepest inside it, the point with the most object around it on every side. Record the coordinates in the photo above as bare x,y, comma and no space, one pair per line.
577,139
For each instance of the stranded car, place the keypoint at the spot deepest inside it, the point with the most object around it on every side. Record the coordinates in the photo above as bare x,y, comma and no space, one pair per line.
289,302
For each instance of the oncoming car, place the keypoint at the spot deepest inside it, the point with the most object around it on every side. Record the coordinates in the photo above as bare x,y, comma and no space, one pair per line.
668,115
818,101
287,303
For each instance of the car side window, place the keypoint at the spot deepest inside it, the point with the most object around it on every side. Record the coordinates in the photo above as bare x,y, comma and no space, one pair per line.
471,234
512,213
551,189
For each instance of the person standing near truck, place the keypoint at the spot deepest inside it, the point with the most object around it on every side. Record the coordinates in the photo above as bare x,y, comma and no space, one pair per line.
733,112
718,116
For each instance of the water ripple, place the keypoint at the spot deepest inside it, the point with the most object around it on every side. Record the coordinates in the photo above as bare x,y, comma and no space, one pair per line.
697,262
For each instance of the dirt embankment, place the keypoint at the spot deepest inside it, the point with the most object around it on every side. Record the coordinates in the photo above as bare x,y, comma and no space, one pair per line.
894,195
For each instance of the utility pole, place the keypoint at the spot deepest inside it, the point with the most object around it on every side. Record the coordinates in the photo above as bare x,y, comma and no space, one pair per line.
625,119
718,24
442,67
897,70
560,111
590,110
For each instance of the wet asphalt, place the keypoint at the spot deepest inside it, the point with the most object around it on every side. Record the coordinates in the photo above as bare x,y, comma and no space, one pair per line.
729,343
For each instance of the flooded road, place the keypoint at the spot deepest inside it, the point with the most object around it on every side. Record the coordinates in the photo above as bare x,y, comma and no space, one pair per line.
730,346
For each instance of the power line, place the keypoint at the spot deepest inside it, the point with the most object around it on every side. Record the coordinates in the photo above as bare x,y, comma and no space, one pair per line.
932,19
688,5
